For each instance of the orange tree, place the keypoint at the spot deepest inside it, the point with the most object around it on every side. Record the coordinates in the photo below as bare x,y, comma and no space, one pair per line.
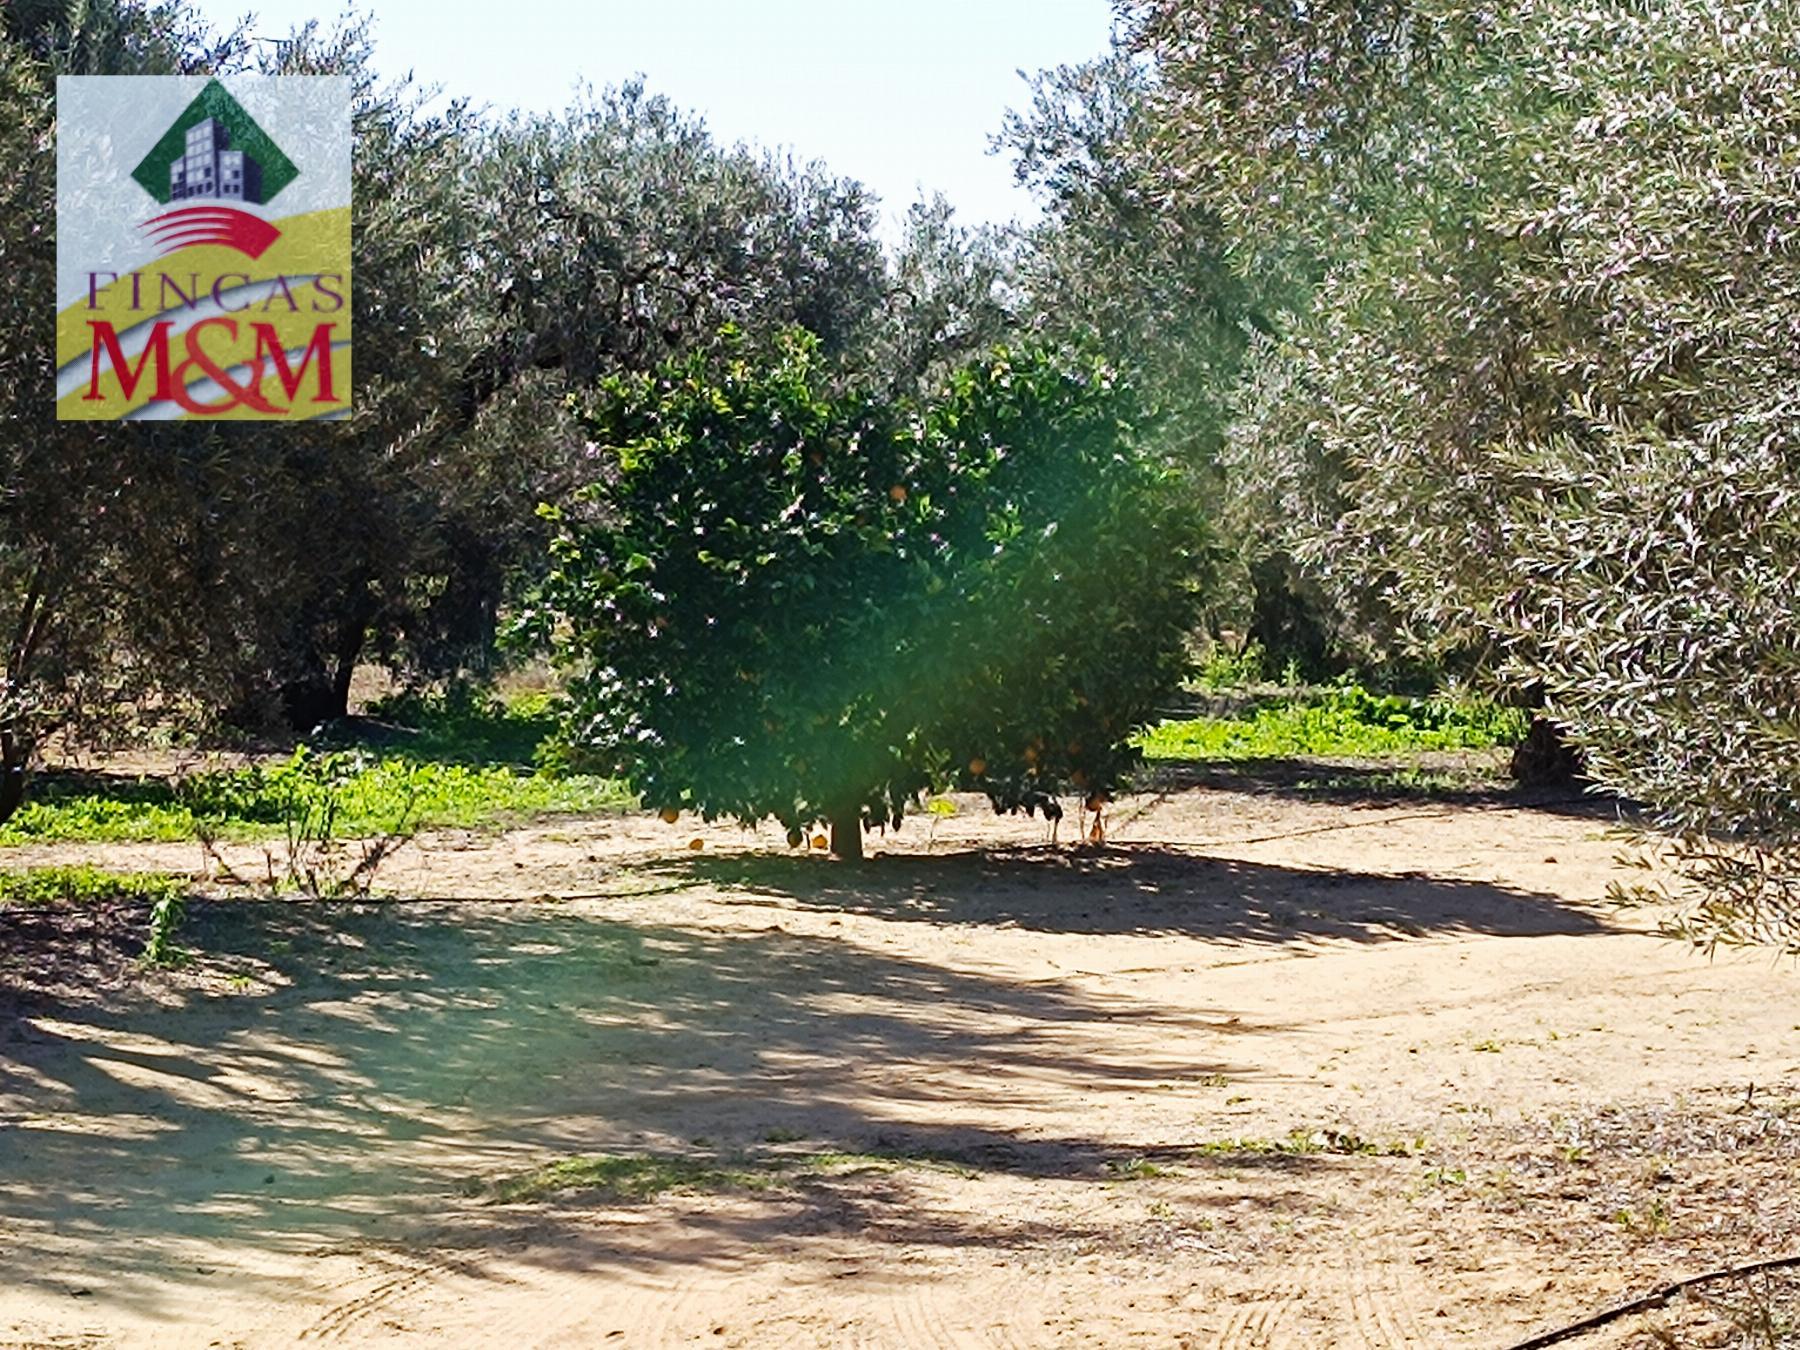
788,599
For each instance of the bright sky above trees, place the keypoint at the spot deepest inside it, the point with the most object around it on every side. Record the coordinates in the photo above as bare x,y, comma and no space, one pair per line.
902,96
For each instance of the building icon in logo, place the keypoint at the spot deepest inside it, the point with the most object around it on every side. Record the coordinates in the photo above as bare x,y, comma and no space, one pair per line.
208,168
212,162
215,149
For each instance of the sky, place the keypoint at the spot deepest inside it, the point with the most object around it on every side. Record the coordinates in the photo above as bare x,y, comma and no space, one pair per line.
901,94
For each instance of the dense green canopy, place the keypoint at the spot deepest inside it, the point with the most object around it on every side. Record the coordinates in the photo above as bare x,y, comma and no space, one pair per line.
792,602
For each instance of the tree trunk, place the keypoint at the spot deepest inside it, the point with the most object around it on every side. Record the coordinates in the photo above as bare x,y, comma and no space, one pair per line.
847,835
12,775
352,637
322,694
350,645
308,702
1544,758
15,663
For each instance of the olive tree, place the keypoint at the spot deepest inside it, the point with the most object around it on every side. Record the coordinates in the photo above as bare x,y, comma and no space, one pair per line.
620,232
951,293
1658,551
1539,394
365,528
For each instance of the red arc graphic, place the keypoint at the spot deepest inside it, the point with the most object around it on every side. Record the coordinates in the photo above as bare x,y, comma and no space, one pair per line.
248,234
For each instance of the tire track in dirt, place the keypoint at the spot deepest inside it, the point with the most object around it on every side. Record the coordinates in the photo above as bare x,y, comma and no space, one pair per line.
1372,1324
615,1308
1364,1303
1408,1297
1257,1323
392,1276
347,1317
657,1312
924,1315
1367,1302
602,1307
918,1315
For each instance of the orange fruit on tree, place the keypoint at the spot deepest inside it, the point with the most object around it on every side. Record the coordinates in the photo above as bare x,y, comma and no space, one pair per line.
820,841
978,766
670,815
898,493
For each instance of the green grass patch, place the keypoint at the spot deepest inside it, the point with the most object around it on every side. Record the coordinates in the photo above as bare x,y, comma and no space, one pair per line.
1134,1169
85,885
1226,668
636,1177
1407,781
366,795
627,1178
1344,720
461,726
1301,1143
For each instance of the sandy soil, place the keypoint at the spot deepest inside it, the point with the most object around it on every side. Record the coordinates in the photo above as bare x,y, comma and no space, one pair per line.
1265,1071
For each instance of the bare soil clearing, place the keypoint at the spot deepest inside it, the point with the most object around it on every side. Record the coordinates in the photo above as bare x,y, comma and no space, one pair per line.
1264,1071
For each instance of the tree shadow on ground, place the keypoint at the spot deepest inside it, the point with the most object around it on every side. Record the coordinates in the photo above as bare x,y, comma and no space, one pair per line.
1144,889
368,1060
54,952
1450,778
385,1054
127,787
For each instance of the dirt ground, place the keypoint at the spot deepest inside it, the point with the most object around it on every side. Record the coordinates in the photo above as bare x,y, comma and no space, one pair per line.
1265,1071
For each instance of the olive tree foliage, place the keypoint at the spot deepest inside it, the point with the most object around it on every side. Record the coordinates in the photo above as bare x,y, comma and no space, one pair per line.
181,567
952,293
1342,147
800,600
314,533
355,532
1659,555
1121,255
186,568
620,233
119,37
1540,395
32,573
1285,126
1131,255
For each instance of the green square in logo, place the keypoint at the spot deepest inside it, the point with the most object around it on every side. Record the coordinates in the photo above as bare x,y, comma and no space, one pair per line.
242,133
